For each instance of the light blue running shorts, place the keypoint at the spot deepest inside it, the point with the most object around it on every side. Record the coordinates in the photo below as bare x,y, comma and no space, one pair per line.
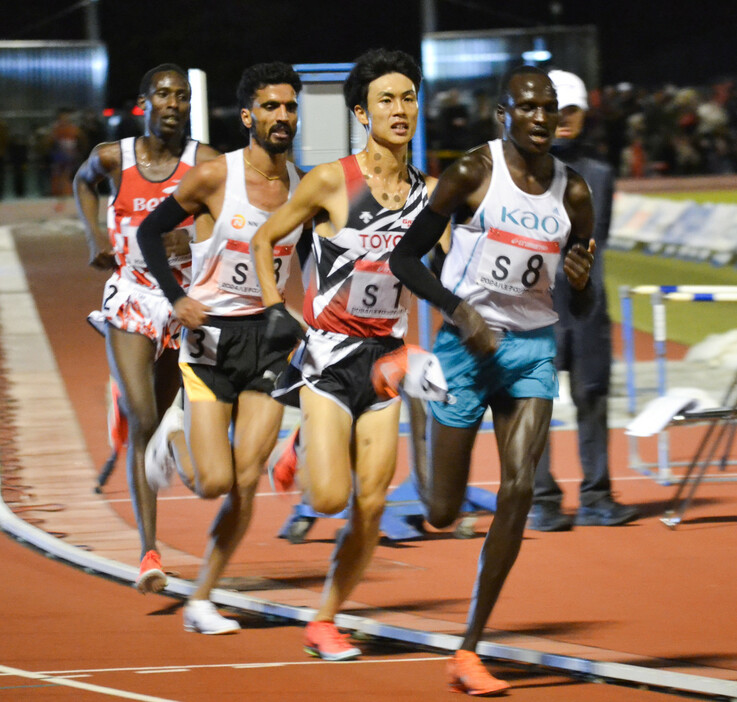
523,366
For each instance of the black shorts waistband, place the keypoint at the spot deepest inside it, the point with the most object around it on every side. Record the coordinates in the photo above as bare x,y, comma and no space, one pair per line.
390,342
231,322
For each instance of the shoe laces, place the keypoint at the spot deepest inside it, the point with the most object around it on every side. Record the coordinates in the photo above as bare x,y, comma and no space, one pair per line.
205,607
152,560
329,634
470,666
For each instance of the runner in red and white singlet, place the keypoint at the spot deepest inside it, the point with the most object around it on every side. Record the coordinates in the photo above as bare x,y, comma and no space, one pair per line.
140,331
357,312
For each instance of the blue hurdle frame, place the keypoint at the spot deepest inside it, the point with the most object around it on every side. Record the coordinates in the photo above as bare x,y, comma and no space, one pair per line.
659,294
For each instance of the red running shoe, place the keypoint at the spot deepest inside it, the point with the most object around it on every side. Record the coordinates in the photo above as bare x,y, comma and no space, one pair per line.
282,463
117,422
322,639
151,577
466,673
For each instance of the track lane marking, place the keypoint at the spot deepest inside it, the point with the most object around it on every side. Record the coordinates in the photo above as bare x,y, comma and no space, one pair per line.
64,682
235,666
480,483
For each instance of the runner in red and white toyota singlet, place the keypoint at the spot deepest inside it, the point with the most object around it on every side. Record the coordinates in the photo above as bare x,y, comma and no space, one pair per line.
357,312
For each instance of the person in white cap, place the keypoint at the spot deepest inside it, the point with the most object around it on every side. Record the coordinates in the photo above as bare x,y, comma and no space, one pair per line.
584,344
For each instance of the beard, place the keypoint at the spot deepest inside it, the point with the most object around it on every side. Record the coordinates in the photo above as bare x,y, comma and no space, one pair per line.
271,147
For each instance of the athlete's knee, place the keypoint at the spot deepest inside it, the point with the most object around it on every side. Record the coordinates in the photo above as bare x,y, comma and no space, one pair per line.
212,484
247,478
329,500
142,422
372,506
514,498
442,513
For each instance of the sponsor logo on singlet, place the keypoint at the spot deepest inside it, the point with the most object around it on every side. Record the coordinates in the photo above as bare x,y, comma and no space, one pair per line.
530,220
141,204
380,241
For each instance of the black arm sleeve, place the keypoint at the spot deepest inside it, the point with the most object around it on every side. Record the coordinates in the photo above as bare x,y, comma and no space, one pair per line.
163,219
437,259
406,261
581,302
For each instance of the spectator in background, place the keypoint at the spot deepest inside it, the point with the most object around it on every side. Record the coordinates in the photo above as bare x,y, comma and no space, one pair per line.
686,157
41,143
93,131
715,141
454,127
584,343
634,158
18,157
483,122
66,153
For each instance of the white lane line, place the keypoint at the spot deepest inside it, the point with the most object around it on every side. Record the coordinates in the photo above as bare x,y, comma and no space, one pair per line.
481,483
236,666
112,692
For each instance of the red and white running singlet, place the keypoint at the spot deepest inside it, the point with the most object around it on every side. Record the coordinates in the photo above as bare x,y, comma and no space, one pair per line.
351,289
137,197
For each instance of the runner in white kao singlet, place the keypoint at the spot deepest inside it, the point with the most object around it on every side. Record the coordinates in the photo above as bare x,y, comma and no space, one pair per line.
516,210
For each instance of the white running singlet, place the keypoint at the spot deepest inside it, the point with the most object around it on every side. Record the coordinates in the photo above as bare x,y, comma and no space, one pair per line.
223,275
503,261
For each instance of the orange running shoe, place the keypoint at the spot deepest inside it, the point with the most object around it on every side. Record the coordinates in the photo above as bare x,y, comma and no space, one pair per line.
282,463
323,639
151,577
466,673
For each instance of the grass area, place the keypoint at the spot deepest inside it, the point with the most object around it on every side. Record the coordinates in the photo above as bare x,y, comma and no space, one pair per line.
686,322
728,197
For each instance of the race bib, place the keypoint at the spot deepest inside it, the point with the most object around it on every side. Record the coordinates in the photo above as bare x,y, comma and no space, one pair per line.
237,274
200,345
512,264
134,257
375,292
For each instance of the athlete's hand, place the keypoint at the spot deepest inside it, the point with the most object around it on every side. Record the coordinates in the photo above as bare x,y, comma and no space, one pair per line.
103,260
282,330
577,264
190,312
475,333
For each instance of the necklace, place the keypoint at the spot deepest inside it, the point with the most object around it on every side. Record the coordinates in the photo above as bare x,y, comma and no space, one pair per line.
268,177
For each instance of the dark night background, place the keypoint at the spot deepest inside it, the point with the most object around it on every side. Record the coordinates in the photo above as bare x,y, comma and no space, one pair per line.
647,43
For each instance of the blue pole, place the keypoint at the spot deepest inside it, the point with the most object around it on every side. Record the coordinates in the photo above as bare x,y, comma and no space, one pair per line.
628,342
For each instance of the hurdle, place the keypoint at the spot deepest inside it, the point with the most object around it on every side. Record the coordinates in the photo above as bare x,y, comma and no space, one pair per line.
659,295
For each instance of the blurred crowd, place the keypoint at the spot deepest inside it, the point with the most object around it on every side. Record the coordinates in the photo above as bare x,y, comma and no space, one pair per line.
41,161
668,131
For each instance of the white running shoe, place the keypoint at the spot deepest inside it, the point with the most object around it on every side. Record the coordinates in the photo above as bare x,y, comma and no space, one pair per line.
160,464
202,617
